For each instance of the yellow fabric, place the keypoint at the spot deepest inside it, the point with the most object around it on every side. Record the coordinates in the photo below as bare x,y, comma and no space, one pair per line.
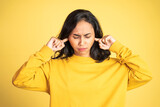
80,81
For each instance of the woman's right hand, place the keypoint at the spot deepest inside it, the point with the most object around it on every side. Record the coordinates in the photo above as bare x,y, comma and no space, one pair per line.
56,44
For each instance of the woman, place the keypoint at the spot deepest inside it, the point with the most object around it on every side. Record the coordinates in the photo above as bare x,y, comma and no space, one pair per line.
81,72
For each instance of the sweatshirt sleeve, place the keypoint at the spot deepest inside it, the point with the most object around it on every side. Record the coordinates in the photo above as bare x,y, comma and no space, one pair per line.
138,71
34,73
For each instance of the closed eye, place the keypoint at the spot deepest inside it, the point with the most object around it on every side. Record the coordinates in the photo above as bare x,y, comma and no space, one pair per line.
87,35
76,36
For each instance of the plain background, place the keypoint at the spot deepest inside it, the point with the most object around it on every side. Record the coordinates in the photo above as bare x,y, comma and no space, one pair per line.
27,25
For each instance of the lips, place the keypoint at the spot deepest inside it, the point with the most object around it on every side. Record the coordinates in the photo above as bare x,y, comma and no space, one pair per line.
82,49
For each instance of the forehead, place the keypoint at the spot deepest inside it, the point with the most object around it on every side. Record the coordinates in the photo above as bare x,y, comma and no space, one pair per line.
83,27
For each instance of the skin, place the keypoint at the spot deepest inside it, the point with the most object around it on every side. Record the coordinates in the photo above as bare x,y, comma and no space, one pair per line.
56,44
81,39
106,42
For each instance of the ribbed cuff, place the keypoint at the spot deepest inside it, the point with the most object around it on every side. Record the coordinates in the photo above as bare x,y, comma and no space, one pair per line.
46,51
116,47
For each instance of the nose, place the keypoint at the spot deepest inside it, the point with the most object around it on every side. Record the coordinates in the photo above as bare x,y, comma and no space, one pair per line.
81,41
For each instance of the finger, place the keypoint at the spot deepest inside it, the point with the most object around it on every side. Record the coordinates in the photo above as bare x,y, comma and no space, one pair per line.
57,44
110,39
65,40
102,47
97,39
54,41
100,41
53,38
62,44
57,41
101,44
106,36
104,41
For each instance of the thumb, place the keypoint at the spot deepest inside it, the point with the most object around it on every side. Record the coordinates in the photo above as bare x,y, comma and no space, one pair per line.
65,40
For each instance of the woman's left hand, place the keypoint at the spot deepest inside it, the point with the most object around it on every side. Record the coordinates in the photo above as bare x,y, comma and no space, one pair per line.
105,42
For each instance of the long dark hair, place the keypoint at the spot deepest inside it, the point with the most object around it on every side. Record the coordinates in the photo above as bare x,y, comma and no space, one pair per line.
70,23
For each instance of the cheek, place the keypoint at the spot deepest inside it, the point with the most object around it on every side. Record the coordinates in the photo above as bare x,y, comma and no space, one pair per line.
90,42
72,42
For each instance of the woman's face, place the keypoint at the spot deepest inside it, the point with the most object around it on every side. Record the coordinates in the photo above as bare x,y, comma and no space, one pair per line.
82,38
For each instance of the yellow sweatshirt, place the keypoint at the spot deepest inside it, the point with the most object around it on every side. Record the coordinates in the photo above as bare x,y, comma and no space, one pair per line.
80,81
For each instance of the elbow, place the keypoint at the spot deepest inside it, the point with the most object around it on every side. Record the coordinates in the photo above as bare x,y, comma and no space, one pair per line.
138,82
14,78
14,81
149,78
17,83
146,78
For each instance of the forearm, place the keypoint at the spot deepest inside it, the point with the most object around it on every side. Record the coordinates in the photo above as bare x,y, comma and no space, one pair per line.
34,72
138,70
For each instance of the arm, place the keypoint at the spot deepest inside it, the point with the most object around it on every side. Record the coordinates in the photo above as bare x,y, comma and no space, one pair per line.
139,73
34,73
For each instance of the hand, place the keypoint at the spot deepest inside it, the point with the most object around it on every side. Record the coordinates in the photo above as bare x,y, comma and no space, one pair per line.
56,44
105,42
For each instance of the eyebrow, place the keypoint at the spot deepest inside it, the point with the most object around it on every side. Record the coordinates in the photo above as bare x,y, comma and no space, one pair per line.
80,35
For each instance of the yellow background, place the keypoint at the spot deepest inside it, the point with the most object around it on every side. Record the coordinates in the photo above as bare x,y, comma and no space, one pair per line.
26,25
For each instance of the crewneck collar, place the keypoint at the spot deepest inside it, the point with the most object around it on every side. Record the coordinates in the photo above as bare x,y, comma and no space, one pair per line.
81,59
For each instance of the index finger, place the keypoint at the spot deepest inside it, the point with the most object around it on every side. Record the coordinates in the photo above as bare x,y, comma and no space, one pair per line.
97,39
65,40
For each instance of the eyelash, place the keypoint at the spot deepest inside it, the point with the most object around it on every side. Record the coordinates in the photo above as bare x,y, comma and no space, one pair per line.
75,37
87,36
78,37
